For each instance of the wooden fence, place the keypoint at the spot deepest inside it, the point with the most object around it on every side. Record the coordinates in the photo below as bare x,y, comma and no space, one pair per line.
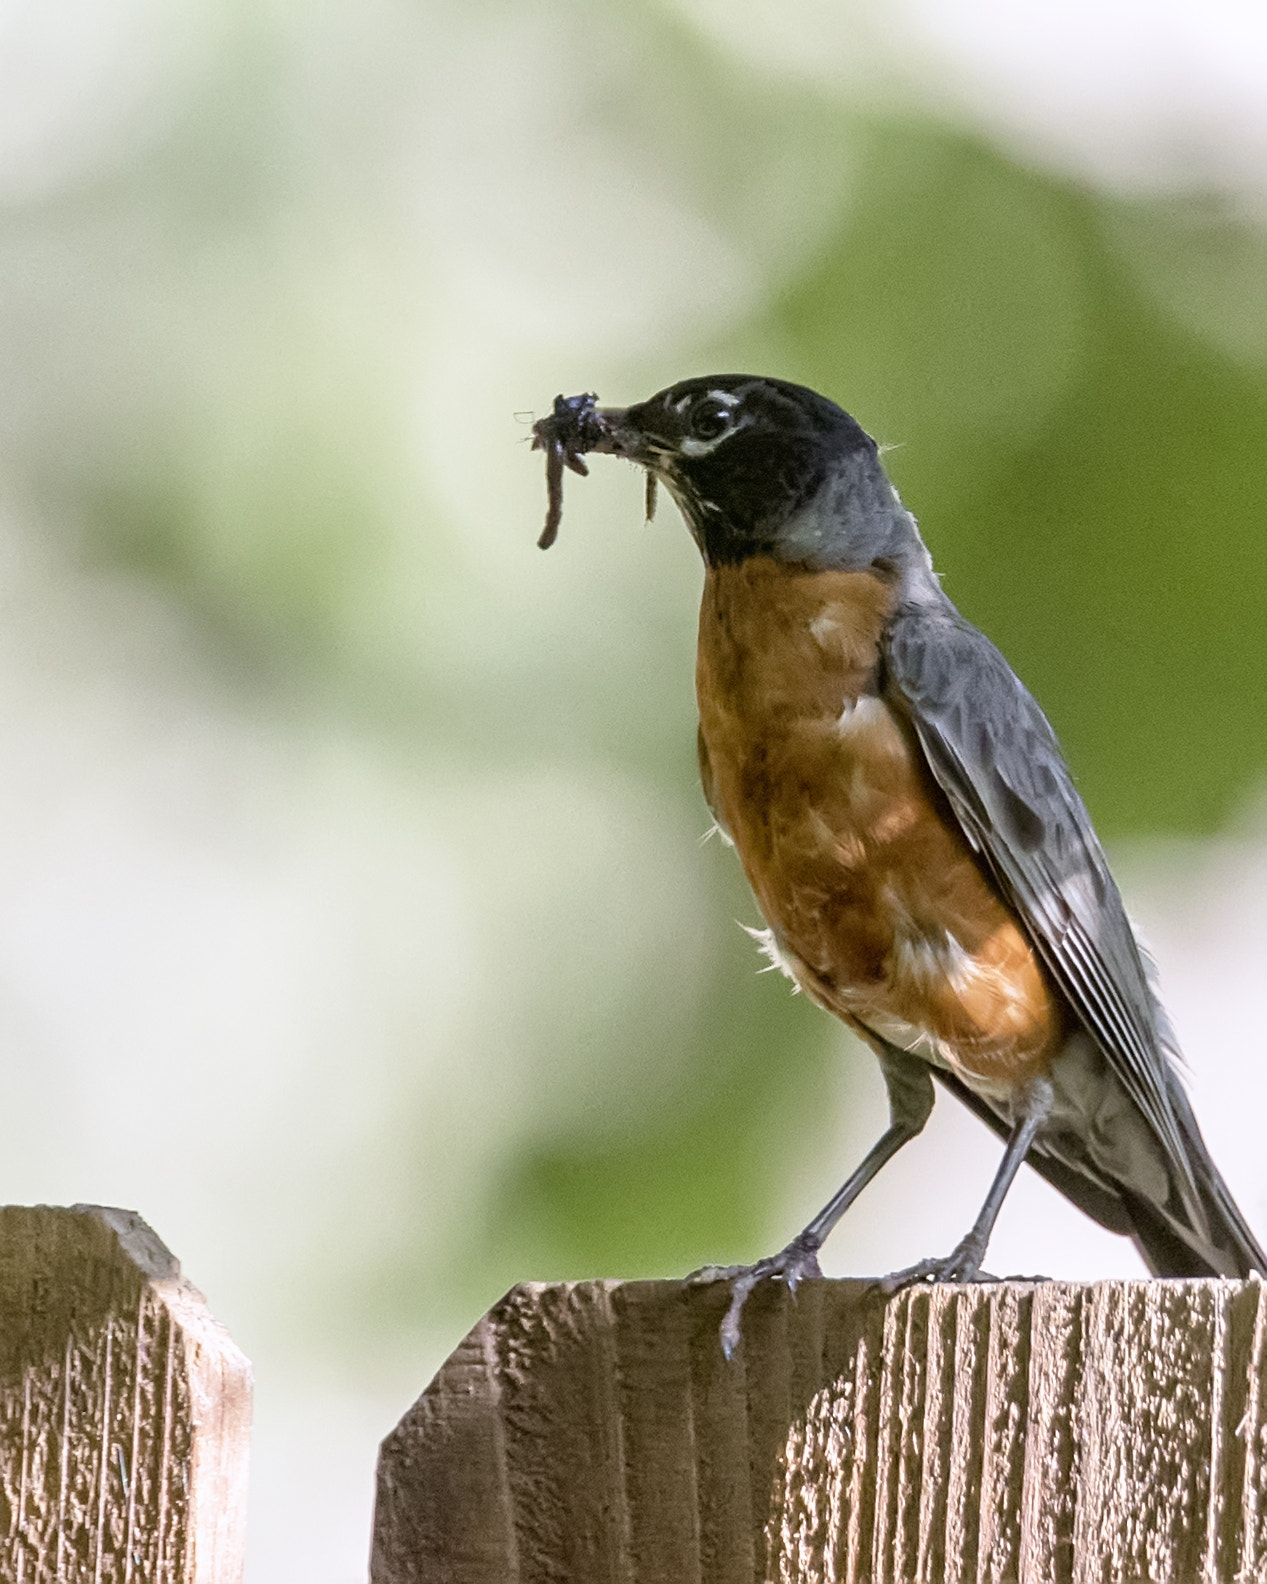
125,1410
592,1433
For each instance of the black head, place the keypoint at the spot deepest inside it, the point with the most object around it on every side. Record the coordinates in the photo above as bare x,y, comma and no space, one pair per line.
749,460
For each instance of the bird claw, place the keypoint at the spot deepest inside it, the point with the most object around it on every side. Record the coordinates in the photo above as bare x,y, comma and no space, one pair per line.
714,1273
961,1265
796,1263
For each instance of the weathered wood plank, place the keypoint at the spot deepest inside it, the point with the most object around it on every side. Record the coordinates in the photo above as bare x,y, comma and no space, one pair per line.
124,1409
1007,1434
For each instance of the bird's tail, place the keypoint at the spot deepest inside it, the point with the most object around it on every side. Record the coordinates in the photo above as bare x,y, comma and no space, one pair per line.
1208,1237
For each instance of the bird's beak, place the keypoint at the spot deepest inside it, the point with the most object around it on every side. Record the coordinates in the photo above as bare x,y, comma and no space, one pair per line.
620,436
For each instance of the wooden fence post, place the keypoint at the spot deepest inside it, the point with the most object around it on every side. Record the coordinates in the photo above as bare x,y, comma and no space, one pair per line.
1040,1433
124,1409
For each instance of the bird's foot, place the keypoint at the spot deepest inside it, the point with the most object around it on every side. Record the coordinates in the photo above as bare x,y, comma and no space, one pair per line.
796,1263
962,1264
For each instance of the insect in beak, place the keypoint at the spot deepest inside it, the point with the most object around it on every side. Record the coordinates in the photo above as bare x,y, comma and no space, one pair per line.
575,426
572,428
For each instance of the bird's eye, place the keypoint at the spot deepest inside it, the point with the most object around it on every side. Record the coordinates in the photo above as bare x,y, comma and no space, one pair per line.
709,419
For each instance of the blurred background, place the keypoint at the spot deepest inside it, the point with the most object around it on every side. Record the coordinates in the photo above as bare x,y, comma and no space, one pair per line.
355,923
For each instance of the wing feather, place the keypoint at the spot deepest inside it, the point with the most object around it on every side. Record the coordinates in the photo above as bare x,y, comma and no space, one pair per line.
995,756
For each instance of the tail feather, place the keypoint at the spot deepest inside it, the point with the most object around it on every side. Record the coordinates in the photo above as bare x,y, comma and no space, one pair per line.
1211,1238
1167,1253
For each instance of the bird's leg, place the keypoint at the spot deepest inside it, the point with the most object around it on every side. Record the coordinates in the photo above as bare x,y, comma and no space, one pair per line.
963,1263
910,1102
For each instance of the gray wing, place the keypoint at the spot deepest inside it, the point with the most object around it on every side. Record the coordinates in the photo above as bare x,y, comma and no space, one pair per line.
995,756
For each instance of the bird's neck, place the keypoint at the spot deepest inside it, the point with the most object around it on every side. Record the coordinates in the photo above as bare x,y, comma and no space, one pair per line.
855,523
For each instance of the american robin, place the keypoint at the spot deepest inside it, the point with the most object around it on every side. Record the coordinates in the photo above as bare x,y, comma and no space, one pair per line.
924,863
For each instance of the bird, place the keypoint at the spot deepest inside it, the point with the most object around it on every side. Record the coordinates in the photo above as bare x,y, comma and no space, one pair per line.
926,868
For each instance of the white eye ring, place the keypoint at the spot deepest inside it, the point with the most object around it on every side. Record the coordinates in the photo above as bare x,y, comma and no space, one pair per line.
692,447
713,408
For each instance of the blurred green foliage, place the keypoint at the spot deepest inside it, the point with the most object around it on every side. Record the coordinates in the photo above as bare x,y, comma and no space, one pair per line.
695,1179
1090,475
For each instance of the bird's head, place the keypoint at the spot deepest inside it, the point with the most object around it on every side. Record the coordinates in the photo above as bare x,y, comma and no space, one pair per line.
761,467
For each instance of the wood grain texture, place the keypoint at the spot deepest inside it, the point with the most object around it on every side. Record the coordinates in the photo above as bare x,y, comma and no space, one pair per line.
124,1409
592,1433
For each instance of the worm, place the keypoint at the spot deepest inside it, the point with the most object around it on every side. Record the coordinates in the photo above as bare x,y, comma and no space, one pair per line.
573,427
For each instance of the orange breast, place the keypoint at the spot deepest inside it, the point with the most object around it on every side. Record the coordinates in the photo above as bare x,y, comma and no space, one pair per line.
877,905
